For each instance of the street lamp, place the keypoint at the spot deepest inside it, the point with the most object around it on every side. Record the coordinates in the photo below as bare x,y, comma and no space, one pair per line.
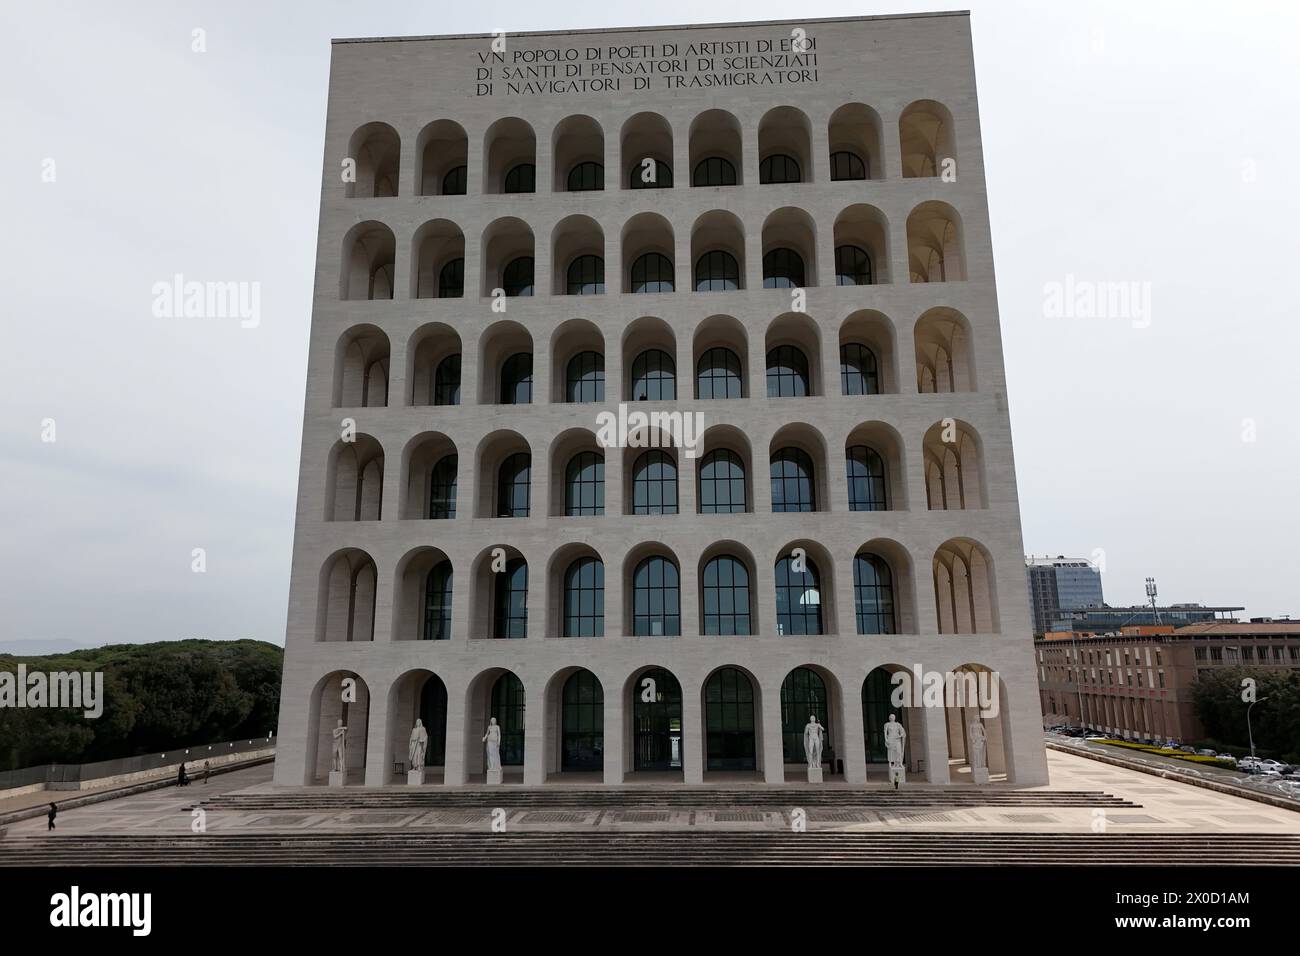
1248,730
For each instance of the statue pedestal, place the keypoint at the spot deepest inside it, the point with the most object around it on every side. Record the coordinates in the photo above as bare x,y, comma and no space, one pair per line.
415,778
336,778
979,774
814,774
494,776
897,775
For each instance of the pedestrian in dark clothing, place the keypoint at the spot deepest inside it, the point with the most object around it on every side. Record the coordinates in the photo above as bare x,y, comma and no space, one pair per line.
181,779
207,769
54,811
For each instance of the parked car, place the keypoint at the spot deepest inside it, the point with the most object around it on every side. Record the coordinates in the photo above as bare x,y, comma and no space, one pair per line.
1187,750
1228,757
1095,737
1268,763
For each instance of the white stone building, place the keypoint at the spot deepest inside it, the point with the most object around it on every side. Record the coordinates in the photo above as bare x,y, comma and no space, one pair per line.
781,227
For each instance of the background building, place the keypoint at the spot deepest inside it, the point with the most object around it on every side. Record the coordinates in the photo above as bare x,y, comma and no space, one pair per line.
1060,583
779,227
1139,683
1102,620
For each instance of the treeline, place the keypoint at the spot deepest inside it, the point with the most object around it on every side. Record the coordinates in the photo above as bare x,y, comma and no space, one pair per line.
157,697
1275,722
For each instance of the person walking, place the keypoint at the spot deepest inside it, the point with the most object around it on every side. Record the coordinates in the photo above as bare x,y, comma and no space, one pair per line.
207,770
54,812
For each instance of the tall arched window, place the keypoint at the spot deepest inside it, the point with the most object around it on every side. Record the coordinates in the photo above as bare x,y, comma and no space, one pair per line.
582,731
783,269
521,179
510,600
729,720
719,375
442,488
584,485
517,379
866,475
779,168
513,479
803,695
877,705
724,597
717,271
587,176
586,276
446,381
517,277
652,272
859,374
873,595
437,604
456,181
714,171
722,483
654,377
852,266
584,378
451,280
654,484
794,482
847,165
656,598
787,373
433,711
657,722
657,175
584,598
798,597
508,709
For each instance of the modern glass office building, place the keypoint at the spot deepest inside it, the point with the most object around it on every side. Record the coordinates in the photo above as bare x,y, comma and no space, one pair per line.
655,402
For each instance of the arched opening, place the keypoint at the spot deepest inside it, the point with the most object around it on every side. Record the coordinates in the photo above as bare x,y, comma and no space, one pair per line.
724,473
874,467
926,142
577,475
339,727
495,694
578,363
653,579
422,604
507,262
656,722
355,480
965,596
346,606
861,238
944,357
582,723
721,350
883,589
576,582
715,150
434,356
809,692
732,733
805,592
418,695
506,375
954,469
789,250
649,357
648,250
718,252
977,720
376,149
651,480
853,135
510,154
361,368
892,690
727,590
578,151
369,250
438,261
430,467
443,149
646,152
793,346
934,243
797,469
784,150
867,355
503,455
578,256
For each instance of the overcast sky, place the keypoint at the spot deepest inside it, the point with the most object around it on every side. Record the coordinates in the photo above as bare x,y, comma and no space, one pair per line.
1124,142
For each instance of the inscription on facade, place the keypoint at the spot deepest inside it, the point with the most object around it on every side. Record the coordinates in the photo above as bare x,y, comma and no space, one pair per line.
506,70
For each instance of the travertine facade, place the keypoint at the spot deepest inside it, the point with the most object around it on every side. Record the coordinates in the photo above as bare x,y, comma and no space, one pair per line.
898,265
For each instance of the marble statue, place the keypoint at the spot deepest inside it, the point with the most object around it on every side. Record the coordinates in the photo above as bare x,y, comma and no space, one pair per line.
895,738
493,739
418,744
977,745
812,741
340,734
